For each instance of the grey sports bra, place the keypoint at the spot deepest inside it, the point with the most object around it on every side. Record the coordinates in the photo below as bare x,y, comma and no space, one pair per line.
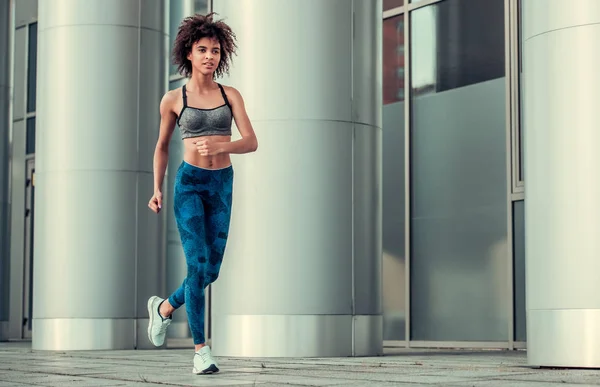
196,122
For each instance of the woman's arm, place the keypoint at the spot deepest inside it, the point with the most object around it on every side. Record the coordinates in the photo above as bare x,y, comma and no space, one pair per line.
248,143
161,151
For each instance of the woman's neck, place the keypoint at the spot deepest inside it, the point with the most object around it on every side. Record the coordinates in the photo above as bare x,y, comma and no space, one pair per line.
201,83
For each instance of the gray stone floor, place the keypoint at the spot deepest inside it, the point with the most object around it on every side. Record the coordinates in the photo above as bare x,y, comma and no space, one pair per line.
19,366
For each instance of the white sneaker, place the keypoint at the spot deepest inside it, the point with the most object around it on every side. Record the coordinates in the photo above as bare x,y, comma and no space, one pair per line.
204,362
157,327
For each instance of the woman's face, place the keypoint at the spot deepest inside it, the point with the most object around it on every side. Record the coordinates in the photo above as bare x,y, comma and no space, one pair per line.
205,56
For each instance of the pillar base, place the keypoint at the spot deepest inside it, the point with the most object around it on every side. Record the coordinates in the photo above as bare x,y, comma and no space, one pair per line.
72,334
564,338
297,335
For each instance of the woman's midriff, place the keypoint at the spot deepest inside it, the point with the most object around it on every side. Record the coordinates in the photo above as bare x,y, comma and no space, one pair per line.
191,155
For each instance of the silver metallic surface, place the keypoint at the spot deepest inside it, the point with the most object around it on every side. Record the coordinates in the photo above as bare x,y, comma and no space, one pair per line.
92,222
5,105
305,335
25,12
563,338
71,334
176,269
562,210
305,239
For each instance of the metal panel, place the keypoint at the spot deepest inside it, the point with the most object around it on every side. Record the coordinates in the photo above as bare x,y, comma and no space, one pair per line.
177,11
563,338
26,11
324,95
394,253
518,231
458,230
367,220
368,335
282,335
94,248
83,334
367,59
150,253
149,14
92,220
562,212
176,269
407,172
111,140
293,237
6,29
17,222
542,16
27,302
19,71
153,45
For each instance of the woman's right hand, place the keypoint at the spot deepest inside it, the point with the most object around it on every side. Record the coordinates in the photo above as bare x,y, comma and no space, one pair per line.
155,203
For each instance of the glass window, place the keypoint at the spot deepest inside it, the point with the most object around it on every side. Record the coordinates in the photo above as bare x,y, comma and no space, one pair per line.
520,76
389,4
31,68
456,46
393,59
458,194
30,139
201,6
178,10
519,270
394,252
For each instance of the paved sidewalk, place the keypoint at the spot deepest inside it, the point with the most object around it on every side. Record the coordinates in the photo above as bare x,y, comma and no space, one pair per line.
19,366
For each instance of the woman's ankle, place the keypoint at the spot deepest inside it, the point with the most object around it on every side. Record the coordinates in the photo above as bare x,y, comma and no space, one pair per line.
165,309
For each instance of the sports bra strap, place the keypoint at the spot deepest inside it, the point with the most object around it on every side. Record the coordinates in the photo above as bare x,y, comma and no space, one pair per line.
184,95
224,95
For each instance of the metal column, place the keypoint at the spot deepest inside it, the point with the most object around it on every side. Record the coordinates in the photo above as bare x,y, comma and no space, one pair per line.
302,270
561,57
99,251
5,32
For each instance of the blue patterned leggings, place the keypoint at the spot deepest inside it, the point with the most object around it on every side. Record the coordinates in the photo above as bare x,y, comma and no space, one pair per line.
202,202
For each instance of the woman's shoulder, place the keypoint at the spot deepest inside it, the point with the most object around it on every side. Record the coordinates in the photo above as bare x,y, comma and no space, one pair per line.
170,100
172,96
231,92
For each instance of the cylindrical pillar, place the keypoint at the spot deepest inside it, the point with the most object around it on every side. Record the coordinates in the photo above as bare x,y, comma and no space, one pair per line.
5,33
562,158
302,269
99,251
176,263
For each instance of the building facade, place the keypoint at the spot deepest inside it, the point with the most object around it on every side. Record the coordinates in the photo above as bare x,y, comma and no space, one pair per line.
427,227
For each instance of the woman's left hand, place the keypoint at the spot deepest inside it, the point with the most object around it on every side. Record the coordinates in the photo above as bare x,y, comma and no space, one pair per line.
208,147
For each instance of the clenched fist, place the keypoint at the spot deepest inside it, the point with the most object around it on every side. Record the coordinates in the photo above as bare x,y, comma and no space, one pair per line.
208,147
155,203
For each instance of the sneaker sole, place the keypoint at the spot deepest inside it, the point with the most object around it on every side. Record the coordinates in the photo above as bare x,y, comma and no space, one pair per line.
151,318
210,370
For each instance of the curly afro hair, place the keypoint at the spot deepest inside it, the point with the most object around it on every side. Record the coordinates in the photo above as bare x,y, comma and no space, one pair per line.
196,27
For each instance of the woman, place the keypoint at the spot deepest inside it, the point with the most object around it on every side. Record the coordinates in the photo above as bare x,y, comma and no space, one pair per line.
204,110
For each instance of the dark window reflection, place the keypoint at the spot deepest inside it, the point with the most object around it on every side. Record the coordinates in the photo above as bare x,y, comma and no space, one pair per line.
30,139
520,57
393,59
389,4
31,67
457,43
